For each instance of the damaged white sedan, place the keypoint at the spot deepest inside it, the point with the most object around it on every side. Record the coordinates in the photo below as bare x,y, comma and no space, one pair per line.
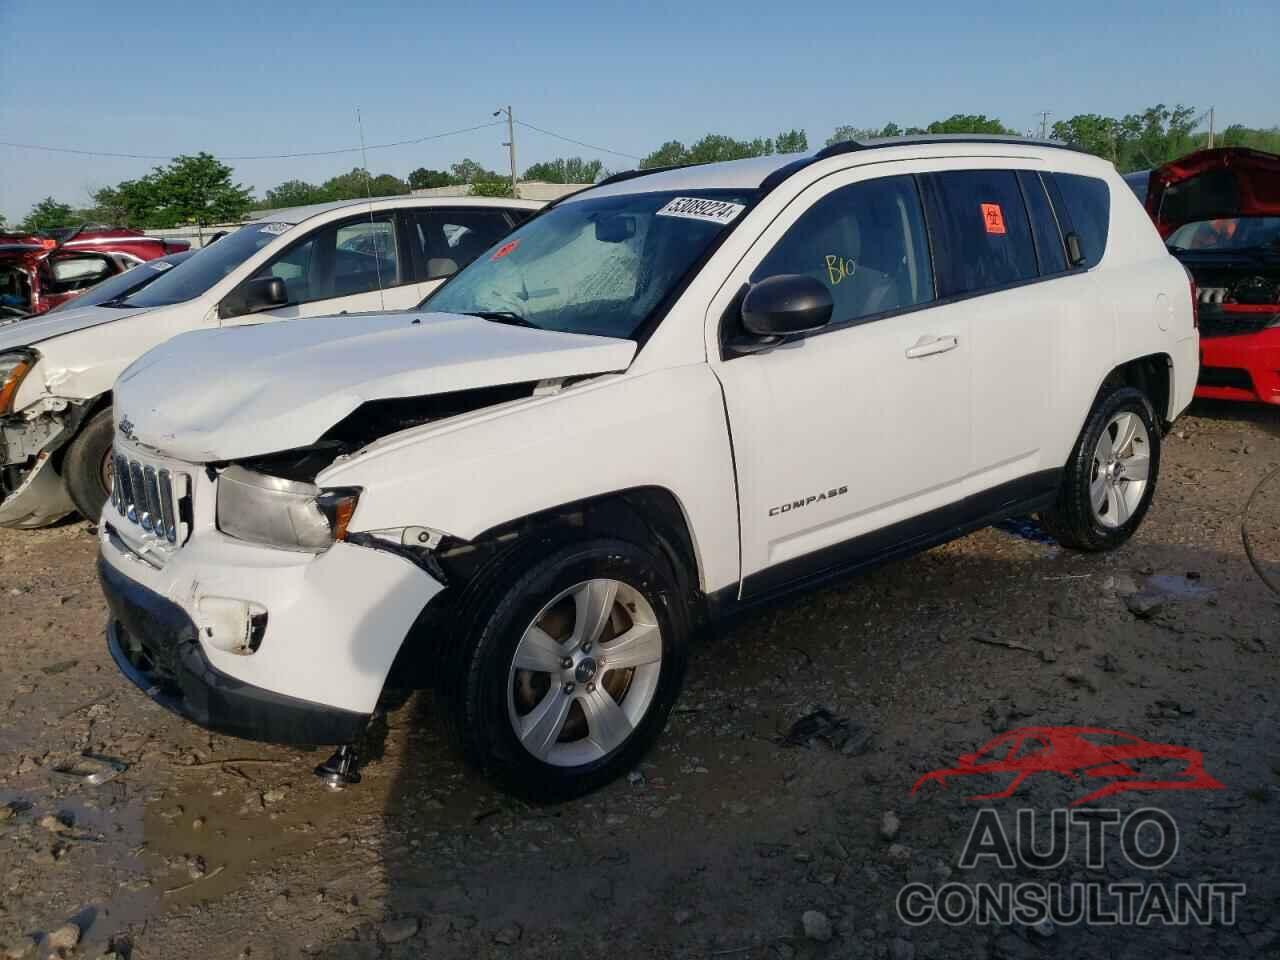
661,401
56,370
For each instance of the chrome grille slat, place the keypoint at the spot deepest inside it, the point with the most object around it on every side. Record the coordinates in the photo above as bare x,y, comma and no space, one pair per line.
152,497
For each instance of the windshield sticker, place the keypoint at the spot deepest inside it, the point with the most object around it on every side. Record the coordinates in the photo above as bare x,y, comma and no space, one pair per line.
275,229
160,266
693,208
993,217
503,250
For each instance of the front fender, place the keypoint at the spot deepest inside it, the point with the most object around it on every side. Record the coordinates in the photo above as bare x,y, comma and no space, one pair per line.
664,429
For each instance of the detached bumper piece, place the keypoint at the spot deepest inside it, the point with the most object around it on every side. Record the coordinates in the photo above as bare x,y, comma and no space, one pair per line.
155,645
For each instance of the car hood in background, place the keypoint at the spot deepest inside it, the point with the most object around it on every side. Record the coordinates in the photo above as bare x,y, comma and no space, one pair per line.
27,331
1211,184
215,395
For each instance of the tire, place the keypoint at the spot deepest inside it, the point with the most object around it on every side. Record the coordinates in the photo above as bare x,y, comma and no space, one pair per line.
1099,505
84,463
549,734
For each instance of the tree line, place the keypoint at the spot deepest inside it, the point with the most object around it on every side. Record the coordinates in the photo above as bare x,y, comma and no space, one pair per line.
199,189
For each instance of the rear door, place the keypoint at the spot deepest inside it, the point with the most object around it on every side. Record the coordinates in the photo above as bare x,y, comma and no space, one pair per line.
844,440
989,267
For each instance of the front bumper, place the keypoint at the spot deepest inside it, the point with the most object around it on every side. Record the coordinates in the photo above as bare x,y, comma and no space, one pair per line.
1241,367
155,644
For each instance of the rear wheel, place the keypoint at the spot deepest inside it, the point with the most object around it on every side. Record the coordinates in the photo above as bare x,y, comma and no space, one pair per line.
87,467
567,669
1108,483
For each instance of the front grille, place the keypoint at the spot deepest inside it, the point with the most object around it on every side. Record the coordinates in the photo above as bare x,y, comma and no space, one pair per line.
156,499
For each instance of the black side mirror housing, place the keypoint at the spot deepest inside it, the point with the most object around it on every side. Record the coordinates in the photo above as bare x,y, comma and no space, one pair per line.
254,296
786,305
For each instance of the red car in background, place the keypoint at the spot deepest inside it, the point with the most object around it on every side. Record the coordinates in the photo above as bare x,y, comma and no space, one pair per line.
1219,213
41,271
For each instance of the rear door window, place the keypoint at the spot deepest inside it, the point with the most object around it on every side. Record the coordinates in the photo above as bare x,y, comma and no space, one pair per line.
1044,225
1088,205
983,232
866,243
71,273
448,240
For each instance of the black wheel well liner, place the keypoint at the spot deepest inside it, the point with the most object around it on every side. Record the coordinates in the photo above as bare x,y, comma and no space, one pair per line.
1152,374
91,409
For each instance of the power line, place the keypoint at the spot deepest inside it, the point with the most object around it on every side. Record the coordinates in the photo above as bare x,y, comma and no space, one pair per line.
264,156
581,143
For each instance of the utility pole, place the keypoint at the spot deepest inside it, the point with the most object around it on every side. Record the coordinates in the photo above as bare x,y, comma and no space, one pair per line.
1211,128
1044,124
510,144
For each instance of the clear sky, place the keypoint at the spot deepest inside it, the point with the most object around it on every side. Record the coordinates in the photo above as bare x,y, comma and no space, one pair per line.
278,76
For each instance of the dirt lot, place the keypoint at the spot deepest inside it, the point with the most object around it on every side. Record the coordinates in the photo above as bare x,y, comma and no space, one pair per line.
719,843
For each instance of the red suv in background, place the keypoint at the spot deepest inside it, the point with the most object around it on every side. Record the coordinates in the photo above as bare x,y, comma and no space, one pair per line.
40,271
1219,213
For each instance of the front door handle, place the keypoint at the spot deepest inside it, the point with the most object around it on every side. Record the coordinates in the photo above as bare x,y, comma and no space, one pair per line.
928,345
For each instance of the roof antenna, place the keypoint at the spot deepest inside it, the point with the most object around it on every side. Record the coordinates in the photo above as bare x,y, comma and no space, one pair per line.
368,194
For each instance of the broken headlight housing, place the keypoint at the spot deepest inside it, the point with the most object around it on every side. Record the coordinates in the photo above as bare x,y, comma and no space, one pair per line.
282,513
13,369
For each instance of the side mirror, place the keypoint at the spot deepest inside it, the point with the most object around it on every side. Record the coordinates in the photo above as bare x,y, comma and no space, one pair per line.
254,296
785,305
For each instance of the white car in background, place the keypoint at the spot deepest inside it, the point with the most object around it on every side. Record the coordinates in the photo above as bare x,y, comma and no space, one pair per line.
665,399
350,256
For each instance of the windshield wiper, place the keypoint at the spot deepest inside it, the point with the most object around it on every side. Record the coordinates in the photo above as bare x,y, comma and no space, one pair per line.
503,316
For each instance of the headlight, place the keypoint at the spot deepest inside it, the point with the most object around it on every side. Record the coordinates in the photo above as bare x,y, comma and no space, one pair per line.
13,368
282,513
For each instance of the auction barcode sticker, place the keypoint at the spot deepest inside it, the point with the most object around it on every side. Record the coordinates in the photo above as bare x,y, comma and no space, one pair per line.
695,208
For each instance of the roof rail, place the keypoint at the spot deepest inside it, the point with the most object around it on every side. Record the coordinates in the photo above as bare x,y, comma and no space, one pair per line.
851,146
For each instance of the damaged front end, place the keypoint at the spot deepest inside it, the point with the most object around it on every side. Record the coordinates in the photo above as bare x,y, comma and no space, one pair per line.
32,492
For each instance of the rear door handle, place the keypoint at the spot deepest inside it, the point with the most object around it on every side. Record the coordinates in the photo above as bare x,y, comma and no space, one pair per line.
927,346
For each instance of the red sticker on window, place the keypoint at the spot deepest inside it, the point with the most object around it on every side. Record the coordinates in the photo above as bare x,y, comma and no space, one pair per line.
510,245
993,217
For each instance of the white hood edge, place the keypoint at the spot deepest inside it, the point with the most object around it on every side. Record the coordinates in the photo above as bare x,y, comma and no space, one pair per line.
216,395
29,331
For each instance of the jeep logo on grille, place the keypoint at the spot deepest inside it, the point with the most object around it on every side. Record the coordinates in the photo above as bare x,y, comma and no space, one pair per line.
126,428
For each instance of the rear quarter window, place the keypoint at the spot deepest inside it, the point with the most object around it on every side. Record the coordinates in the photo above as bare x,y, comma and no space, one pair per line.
1088,208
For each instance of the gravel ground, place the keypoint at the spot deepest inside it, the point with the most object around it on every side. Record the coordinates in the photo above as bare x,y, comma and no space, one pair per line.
730,840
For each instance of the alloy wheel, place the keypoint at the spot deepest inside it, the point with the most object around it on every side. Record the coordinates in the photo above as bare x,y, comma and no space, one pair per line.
1121,468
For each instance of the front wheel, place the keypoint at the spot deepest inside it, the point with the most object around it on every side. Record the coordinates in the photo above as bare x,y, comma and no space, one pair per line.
1109,481
87,468
568,667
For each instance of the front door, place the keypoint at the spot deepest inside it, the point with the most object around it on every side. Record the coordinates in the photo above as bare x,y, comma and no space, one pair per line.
864,425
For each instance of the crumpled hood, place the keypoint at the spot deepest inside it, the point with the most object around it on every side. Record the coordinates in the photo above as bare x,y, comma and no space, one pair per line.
214,395
27,331
1211,184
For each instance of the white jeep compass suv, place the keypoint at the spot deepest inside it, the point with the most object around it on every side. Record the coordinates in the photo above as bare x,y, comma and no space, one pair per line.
662,400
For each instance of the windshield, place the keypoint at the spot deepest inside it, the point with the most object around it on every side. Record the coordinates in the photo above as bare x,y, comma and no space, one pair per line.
123,284
209,265
597,266
1224,234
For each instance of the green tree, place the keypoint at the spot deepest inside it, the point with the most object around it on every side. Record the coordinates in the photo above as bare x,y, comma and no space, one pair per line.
130,203
970,123
848,132
1092,132
468,171
293,193
48,214
491,188
791,141
424,179
358,183
669,154
566,170
197,189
